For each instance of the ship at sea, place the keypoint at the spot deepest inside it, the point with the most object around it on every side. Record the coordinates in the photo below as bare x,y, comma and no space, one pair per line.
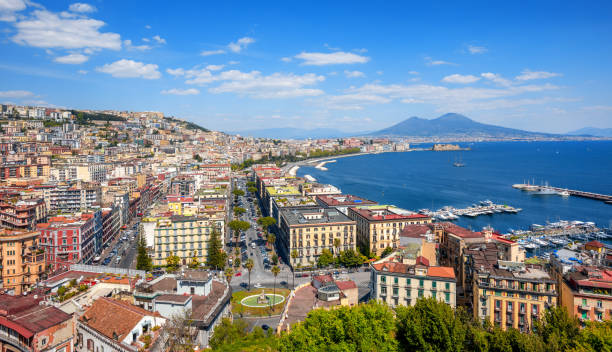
459,163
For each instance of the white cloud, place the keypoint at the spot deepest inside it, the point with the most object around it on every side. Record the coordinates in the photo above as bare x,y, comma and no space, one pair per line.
176,91
159,39
148,26
339,57
414,73
128,44
353,74
82,8
215,67
47,30
16,94
276,85
529,75
431,62
212,52
462,79
240,44
71,59
285,59
496,78
8,9
477,49
130,69
233,62
82,72
355,101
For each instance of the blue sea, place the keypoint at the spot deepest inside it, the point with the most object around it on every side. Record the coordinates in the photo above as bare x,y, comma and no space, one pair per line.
427,179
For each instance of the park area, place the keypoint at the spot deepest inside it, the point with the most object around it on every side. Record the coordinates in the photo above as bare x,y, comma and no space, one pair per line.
253,304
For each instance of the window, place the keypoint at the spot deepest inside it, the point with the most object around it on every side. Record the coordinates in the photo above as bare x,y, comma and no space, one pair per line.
395,291
584,302
420,293
383,278
407,282
396,280
408,292
433,294
421,283
447,285
599,304
433,284
447,297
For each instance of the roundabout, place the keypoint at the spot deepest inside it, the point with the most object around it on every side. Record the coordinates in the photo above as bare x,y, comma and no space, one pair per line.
262,300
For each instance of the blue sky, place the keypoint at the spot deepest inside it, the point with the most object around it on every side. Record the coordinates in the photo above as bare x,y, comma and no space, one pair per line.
353,66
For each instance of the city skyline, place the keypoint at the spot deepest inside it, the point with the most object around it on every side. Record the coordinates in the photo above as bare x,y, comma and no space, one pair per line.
352,67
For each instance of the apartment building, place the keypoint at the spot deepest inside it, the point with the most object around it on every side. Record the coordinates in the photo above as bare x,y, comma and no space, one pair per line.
70,239
507,294
183,236
23,260
378,227
308,231
586,292
403,284
17,212
72,197
85,172
23,169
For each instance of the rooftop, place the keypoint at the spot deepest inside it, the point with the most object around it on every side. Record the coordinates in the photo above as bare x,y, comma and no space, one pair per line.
313,216
386,214
344,199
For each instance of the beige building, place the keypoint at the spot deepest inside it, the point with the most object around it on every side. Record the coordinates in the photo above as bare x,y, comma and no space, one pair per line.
23,262
379,227
183,236
403,284
308,231
587,293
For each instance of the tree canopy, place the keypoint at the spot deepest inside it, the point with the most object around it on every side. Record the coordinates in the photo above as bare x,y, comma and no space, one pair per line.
215,256
143,261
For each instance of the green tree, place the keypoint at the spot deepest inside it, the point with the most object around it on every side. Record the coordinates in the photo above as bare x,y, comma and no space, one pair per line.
558,329
229,274
266,222
239,211
363,328
275,270
294,255
237,226
231,336
238,192
429,325
237,263
249,264
387,251
251,184
194,260
325,259
143,261
197,158
173,262
271,238
215,256
274,259
252,189
350,258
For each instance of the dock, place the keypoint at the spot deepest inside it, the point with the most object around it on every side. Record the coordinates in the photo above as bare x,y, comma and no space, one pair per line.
572,192
485,208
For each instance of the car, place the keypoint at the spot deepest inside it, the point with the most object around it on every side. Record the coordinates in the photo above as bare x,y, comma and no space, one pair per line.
239,273
283,283
305,275
243,284
265,327
336,273
257,285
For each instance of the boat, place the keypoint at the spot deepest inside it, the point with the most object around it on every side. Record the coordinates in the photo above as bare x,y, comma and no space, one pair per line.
458,163
545,191
564,193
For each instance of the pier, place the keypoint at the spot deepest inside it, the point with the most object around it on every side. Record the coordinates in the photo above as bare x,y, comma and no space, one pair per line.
566,191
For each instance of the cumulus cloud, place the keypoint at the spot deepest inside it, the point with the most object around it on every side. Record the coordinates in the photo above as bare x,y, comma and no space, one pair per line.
159,39
212,52
82,8
431,62
215,67
130,69
16,94
527,75
8,8
353,74
254,83
177,91
496,78
240,44
335,58
462,79
45,29
477,49
285,59
128,44
73,59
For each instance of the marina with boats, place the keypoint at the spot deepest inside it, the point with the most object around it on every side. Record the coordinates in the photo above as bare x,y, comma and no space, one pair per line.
564,192
485,207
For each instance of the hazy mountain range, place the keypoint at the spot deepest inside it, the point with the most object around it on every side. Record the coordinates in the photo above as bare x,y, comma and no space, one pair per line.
446,126
592,131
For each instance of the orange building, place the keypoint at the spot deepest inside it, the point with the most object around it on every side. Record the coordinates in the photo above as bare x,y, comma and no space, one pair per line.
23,261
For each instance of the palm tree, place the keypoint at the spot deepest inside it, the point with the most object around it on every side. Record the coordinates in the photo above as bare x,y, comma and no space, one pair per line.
294,255
271,239
275,271
337,245
229,274
249,265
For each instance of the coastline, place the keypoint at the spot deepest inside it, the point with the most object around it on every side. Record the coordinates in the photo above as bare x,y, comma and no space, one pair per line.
291,169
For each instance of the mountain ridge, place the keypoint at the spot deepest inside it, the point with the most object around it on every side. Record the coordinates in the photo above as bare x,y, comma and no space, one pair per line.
591,131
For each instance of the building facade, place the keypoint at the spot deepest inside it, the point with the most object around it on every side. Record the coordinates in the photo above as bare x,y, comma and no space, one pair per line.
23,260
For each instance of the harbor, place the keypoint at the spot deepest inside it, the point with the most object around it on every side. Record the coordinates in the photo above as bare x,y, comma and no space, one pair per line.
486,207
565,192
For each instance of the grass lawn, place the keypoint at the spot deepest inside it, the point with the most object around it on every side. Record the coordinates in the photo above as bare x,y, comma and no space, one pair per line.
240,310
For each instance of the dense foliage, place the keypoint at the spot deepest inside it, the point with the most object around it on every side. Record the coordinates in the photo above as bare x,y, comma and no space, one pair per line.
215,256
83,118
143,261
428,326
293,158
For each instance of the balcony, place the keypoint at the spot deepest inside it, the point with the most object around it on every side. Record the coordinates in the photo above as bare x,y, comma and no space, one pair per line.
600,308
584,307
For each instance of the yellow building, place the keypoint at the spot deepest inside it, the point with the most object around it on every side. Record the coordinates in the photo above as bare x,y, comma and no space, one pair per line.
183,236
308,231
379,227
507,294
23,262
